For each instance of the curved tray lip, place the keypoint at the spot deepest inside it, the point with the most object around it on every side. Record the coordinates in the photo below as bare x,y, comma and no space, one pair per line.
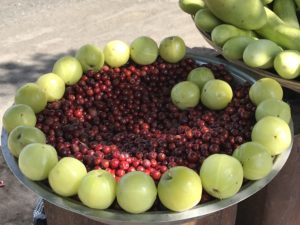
158,217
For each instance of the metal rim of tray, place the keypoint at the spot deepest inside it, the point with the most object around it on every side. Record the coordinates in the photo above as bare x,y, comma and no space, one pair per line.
158,217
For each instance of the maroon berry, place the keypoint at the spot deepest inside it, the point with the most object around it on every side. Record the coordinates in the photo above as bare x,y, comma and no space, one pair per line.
163,169
161,156
122,156
105,163
97,161
120,172
114,163
78,155
155,175
140,168
136,163
124,165
130,169
106,150
146,163
147,171
152,155
153,163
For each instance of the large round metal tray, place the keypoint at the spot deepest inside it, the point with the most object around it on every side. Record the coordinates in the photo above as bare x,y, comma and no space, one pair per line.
156,217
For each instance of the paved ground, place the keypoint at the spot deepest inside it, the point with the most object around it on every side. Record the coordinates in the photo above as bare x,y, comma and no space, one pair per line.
35,33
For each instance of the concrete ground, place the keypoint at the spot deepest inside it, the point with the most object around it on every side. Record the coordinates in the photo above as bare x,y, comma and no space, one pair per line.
35,33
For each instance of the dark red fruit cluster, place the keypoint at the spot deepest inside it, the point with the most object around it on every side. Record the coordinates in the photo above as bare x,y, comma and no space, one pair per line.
123,120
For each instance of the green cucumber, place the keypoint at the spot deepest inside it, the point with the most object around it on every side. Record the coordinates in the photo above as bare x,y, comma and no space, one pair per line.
221,33
266,2
297,3
286,10
279,32
205,20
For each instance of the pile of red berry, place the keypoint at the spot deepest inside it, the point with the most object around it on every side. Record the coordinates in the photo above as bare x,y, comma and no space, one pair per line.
123,120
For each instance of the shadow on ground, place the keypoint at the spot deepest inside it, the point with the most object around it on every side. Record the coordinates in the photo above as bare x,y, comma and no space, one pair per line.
14,73
14,195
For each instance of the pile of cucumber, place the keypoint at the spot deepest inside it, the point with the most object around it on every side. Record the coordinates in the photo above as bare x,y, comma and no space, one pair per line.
263,34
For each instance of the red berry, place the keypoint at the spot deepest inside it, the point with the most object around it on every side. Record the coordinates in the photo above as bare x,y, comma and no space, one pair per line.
163,169
97,161
131,169
161,156
105,163
155,175
106,149
147,171
140,168
124,165
120,172
136,163
114,163
146,163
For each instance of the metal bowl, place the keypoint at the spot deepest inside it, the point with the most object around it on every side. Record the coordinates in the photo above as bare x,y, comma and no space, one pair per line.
293,84
111,216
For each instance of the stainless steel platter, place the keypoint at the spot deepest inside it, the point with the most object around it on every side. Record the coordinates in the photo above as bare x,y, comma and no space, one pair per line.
156,217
